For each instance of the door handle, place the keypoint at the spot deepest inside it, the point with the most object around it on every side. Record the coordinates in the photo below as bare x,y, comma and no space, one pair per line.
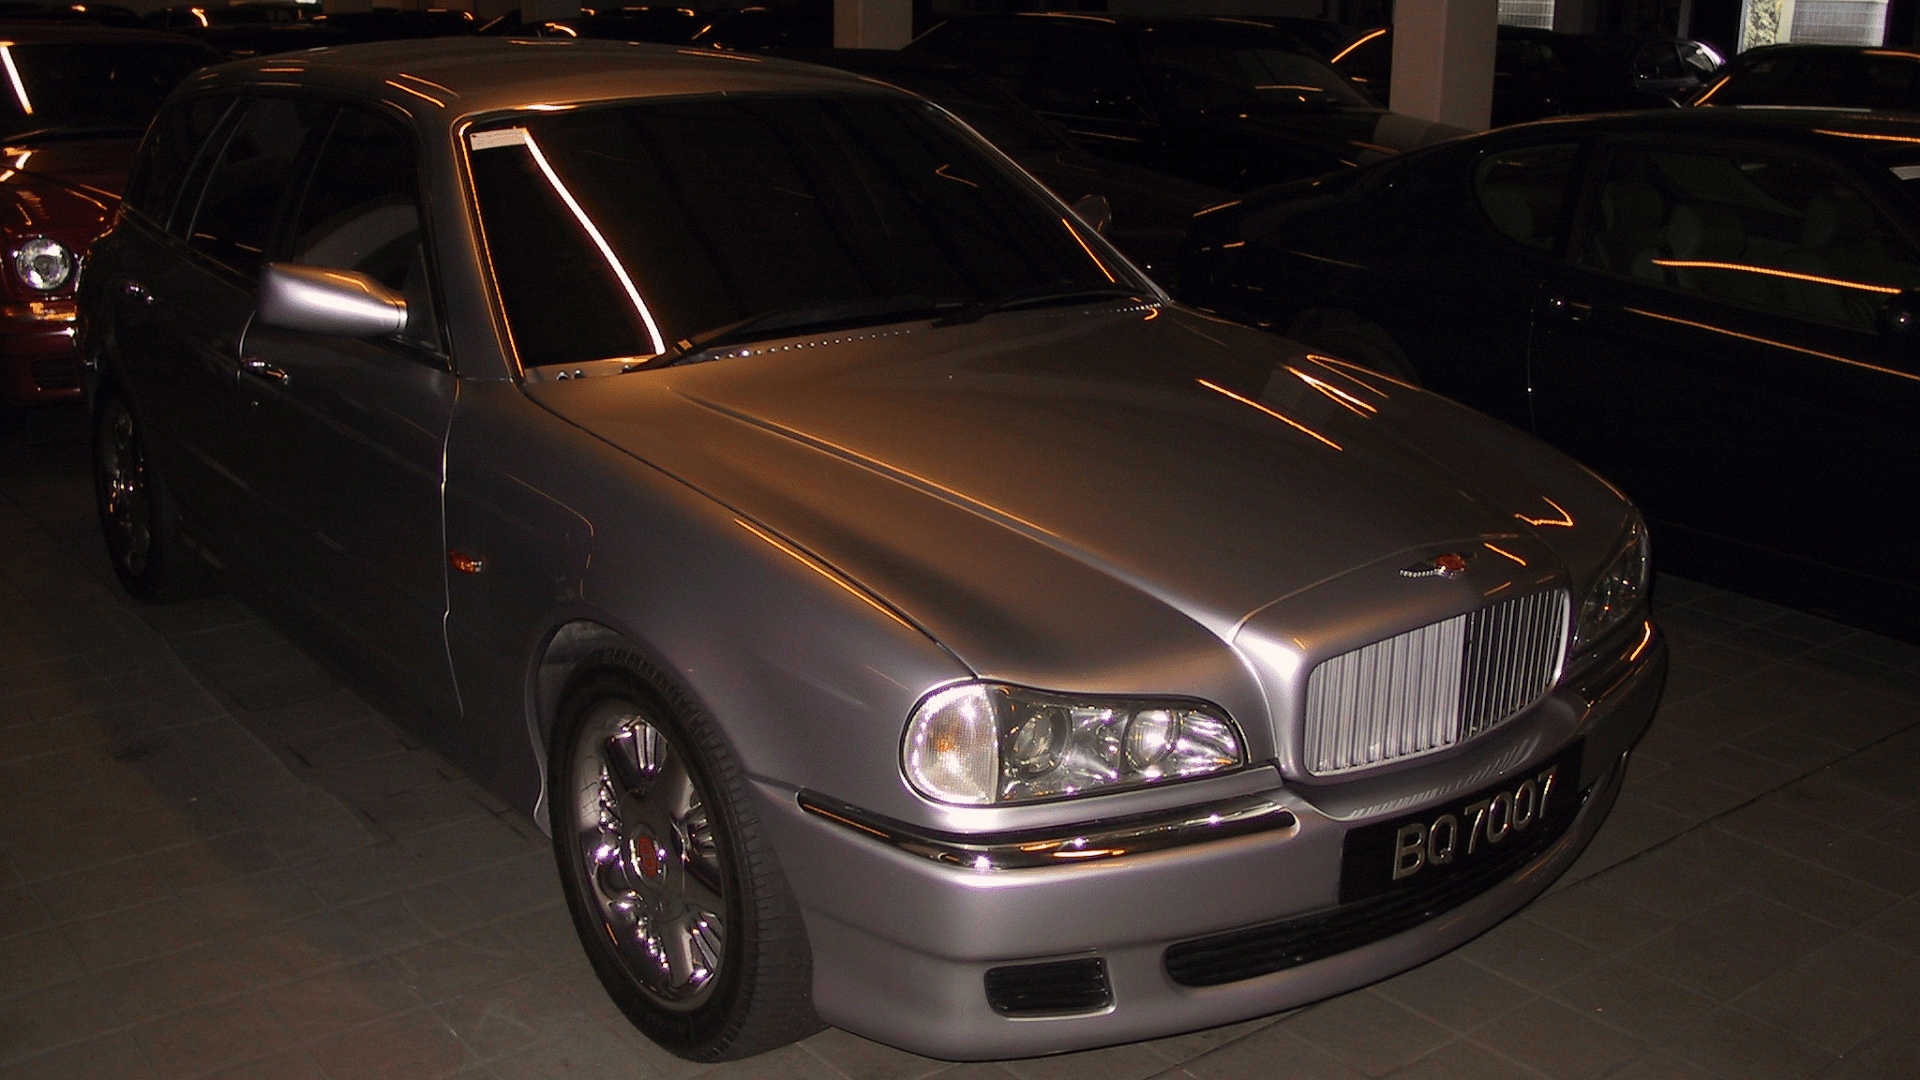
136,291
262,370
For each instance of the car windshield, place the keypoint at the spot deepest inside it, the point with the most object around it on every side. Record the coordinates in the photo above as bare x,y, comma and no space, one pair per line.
645,228
70,87
1235,65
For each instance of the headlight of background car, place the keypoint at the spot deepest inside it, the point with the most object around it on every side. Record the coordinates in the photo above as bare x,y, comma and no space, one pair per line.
982,744
44,264
1617,593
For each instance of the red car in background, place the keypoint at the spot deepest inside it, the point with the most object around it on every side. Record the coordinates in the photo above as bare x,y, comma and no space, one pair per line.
74,103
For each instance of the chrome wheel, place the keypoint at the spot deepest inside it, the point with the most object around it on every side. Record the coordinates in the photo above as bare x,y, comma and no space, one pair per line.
126,500
643,836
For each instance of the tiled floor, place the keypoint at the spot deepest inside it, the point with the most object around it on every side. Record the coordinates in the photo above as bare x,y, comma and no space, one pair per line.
214,861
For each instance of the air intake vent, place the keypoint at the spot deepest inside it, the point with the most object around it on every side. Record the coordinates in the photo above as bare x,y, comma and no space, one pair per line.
1434,686
1055,988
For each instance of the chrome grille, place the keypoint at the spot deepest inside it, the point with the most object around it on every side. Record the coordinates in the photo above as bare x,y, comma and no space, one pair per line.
1434,686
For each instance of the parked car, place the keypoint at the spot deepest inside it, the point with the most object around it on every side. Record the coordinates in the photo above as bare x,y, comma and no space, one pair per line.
1542,73
1228,102
1819,76
70,119
1712,307
1145,213
900,614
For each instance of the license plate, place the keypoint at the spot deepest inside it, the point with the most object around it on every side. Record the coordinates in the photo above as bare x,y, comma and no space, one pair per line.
1523,812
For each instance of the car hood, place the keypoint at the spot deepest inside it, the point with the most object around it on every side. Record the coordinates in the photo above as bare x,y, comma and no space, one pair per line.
64,185
1091,475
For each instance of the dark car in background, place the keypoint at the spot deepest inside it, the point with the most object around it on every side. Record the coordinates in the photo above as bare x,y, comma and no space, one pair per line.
72,110
1542,73
1149,211
1819,77
1715,308
1232,103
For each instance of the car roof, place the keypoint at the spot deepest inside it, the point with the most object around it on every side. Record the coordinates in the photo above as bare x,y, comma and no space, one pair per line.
440,80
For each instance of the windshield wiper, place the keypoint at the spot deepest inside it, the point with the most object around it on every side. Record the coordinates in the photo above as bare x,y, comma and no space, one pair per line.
813,316
1052,292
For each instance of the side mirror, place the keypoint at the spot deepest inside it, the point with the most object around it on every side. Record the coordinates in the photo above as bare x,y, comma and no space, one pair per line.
1096,211
321,300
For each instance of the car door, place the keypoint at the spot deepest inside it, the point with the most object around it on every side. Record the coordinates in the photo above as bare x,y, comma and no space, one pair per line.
185,298
349,434
1719,348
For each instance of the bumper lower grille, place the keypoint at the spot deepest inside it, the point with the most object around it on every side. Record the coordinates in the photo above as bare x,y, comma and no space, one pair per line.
1054,988
1434,686
1262,950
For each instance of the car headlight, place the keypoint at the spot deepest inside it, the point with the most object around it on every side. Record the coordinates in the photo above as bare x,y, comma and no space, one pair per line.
981,744
43,263
1617,593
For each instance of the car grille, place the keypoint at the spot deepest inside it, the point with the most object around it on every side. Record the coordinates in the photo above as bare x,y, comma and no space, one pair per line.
1434,686
1056,988
1262,950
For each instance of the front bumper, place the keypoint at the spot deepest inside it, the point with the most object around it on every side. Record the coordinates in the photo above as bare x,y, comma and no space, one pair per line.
915,938
38,361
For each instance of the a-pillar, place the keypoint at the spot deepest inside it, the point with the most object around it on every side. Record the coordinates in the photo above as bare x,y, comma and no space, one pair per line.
1443,60
872,24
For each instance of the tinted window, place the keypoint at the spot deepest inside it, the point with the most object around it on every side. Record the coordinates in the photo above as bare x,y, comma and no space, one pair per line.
362,213
1236,65
90,86
173,144
1523,191
1086,73
1006,49
1875,79
240,209
614,230
1781,234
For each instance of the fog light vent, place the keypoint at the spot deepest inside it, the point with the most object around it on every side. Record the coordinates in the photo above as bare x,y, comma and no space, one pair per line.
1055,988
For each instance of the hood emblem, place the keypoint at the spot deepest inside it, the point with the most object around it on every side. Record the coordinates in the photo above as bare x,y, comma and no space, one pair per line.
1450,565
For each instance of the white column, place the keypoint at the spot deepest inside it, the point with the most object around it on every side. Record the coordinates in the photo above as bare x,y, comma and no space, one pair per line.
872,24
1443,60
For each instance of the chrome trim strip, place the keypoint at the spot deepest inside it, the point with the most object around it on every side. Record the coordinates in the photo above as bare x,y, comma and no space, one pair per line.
1242,816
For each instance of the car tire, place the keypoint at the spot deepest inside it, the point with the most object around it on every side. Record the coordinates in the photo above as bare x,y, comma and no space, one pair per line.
1349,337
673,885
138,518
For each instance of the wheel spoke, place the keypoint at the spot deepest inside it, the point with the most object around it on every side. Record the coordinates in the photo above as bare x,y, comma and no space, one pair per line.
647,849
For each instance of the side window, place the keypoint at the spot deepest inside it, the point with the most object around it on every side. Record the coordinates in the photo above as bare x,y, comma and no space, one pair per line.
1783,234
1005,49
1087,73
240,209
173,143
362,212
1523,191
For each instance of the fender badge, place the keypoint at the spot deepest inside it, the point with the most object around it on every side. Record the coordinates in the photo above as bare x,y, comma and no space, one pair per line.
1450,565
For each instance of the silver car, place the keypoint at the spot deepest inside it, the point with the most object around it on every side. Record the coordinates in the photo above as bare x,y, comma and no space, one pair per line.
900,614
